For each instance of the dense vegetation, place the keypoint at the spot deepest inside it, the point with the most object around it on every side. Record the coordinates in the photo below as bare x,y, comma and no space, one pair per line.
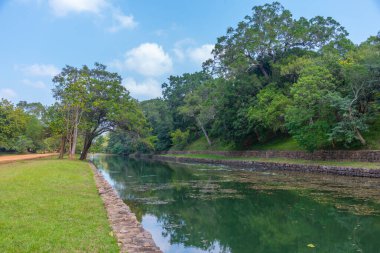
273,76
89,103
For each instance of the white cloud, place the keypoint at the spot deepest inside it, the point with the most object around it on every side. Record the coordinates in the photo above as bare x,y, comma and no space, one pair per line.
201,54
63,7
7,93
39,70
122,22
148,59
179,48
184,49
147,89
34,84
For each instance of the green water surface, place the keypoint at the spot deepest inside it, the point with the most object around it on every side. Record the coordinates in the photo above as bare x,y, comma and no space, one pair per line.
197,208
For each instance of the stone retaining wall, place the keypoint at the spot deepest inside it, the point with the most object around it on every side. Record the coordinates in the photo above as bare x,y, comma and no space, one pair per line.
324,155
130,235
254,165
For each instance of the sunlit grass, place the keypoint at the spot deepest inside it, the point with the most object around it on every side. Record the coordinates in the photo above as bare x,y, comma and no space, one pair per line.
52,205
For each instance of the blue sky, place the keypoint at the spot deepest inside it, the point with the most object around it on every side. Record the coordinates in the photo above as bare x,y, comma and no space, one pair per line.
144,41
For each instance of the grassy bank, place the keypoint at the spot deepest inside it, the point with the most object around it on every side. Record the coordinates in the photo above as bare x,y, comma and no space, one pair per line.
372,136
368,165
52,205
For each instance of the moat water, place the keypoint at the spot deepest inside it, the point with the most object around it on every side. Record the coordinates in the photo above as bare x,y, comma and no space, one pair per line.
199,208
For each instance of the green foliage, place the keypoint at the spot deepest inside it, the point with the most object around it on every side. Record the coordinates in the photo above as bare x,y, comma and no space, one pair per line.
278,143
270,76
201,144
269,109
265,35
159,117
99,145
93,102
180,138
123,143
175,90
309,118
273,76
20,129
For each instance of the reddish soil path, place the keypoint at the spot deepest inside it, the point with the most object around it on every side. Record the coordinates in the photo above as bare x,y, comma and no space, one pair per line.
13,158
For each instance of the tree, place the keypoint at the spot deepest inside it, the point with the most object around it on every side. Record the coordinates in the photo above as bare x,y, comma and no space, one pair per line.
109,106
36,109
199,107
93,101
175,90
265,36
180,138
160,119
310,118
55,120
125,143
269,109
13,122
70,91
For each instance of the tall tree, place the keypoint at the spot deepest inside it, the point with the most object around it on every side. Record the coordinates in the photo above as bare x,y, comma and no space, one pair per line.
70,91
160,119
263,37
109,106
175,90
198,106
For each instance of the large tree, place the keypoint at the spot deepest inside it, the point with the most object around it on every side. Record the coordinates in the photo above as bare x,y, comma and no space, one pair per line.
94,101
71,91
175,90
109,106
265,36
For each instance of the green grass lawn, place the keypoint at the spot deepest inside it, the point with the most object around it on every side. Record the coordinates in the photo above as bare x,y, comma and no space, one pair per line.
52,205
368,165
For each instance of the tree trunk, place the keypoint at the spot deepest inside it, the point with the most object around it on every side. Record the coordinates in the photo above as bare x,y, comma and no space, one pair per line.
62,148
86,147
360,137
204,132
257,135
75,135
358,134
70,140
262,69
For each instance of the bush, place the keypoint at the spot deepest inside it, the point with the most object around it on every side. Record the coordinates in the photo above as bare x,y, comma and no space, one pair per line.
180,139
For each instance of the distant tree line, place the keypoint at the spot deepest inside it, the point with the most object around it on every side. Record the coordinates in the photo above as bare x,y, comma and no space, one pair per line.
89,103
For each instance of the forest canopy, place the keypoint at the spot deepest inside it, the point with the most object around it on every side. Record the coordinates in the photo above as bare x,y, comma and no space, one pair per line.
273,76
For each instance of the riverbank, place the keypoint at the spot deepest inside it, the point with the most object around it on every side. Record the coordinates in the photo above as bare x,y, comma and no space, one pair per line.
131,236
358,169
51,205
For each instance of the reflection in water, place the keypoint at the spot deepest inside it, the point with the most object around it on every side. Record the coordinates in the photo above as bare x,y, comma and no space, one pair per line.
196,208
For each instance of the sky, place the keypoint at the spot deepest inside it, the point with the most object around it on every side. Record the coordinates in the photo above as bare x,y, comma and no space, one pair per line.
145,41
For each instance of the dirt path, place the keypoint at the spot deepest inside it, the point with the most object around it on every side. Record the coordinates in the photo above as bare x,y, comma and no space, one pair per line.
13,158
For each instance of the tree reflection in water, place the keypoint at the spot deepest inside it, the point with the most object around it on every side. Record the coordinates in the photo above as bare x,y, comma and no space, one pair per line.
196,208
